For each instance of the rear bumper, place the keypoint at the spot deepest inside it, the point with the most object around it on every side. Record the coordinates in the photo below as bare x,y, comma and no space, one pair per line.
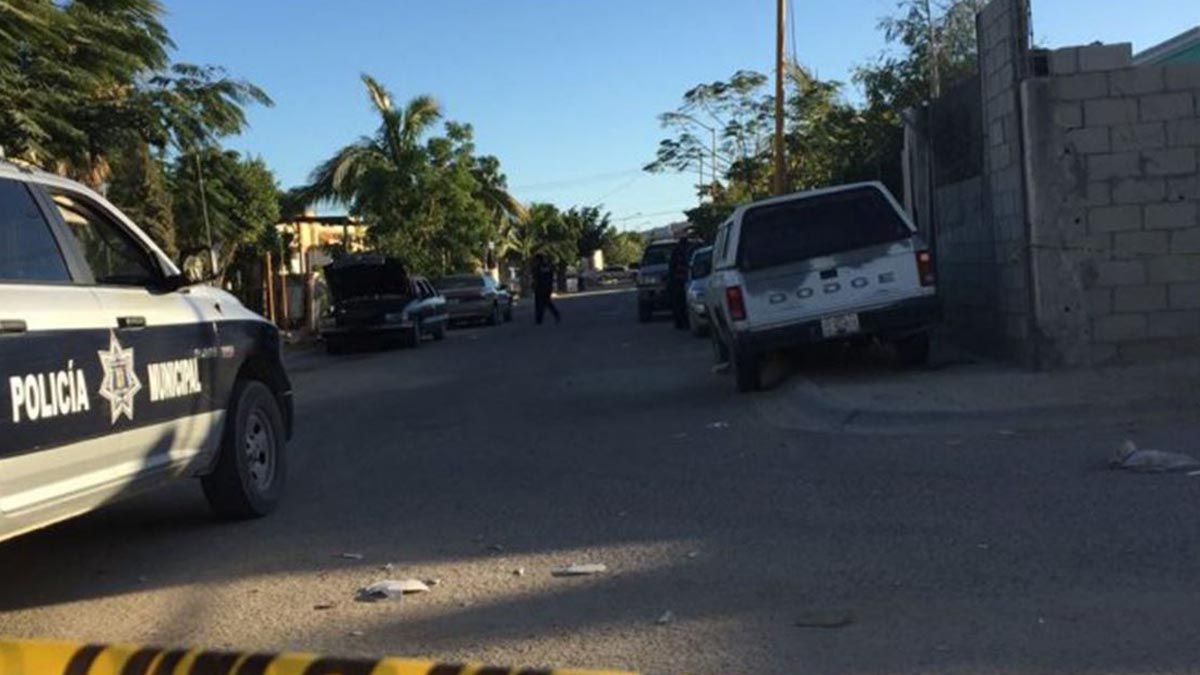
363,331
897,320
656,297
480,309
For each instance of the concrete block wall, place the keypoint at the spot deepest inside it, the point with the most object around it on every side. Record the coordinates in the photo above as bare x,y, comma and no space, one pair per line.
1002,47
1114,157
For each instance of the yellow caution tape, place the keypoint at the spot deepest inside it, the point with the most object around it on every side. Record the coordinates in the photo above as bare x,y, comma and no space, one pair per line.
38,657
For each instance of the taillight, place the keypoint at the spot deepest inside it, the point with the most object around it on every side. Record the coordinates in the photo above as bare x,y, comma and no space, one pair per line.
737,304
925,270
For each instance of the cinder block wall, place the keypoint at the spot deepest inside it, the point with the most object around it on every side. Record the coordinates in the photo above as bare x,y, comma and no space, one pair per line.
1113,176
1002,43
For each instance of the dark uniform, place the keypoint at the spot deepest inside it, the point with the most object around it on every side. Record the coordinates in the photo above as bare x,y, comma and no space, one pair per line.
677,278
543,288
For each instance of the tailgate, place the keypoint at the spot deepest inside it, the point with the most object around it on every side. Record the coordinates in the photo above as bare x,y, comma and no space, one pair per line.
835,284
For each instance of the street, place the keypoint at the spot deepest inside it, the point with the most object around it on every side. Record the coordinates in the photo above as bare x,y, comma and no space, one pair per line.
487,460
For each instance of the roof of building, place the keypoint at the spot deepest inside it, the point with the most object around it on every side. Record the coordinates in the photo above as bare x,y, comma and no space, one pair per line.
1183,48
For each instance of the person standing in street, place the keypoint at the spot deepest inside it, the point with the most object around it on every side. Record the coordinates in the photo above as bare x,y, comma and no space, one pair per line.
543,289
677,279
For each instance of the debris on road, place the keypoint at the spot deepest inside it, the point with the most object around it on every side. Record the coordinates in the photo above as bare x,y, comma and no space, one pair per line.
356,633
1129,457
387,567
519,572
579,570
390,589
666,618
717,425
692,555
323,605
351,556
825,618
435,581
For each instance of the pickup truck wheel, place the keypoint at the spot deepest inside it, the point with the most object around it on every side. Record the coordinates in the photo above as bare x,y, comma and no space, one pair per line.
494,318
248,479
644,312
747,370
439,333
913,350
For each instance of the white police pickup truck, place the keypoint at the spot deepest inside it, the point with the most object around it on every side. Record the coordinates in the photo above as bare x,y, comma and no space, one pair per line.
116,374
837,263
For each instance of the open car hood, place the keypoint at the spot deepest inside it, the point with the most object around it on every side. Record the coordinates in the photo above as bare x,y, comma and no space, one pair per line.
367,276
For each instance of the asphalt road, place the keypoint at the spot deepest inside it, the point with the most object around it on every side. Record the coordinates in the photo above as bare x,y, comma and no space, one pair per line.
602,440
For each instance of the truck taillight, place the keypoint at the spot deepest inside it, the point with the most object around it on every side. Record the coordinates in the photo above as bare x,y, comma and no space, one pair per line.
925,270
736,303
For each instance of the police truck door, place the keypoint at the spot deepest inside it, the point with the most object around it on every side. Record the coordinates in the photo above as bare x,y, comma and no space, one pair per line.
159,351
55,451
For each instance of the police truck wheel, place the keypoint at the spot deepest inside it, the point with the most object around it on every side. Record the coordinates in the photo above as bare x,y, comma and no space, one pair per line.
747,369
644,312
251,469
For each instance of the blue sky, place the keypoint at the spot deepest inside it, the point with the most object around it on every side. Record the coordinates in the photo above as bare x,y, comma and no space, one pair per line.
564,92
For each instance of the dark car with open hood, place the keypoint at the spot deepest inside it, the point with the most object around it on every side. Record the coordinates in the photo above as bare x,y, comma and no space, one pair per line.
374,298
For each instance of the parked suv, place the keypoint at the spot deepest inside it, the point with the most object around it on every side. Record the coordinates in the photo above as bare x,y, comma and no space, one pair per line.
652,277
697,289
838,263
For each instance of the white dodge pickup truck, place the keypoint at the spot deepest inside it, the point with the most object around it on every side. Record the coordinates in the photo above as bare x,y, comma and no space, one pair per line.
837,263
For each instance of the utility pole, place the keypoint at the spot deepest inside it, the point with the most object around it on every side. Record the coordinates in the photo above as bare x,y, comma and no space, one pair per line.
780,167
935,78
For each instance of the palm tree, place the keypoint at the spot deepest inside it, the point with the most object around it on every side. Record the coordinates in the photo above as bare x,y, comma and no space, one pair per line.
377,175
504,209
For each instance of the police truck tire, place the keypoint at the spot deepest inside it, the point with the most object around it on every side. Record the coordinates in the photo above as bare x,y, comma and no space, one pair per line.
747,369
252,466
644,312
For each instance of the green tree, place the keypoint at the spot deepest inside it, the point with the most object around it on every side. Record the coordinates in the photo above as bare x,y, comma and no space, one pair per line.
242,203
377,176
594,228
139,189
623,248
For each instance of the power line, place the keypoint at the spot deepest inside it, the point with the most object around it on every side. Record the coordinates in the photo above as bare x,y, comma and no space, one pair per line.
617,189
635,216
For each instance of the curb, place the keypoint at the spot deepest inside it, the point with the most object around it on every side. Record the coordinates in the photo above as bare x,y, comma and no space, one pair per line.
802,406
38,657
